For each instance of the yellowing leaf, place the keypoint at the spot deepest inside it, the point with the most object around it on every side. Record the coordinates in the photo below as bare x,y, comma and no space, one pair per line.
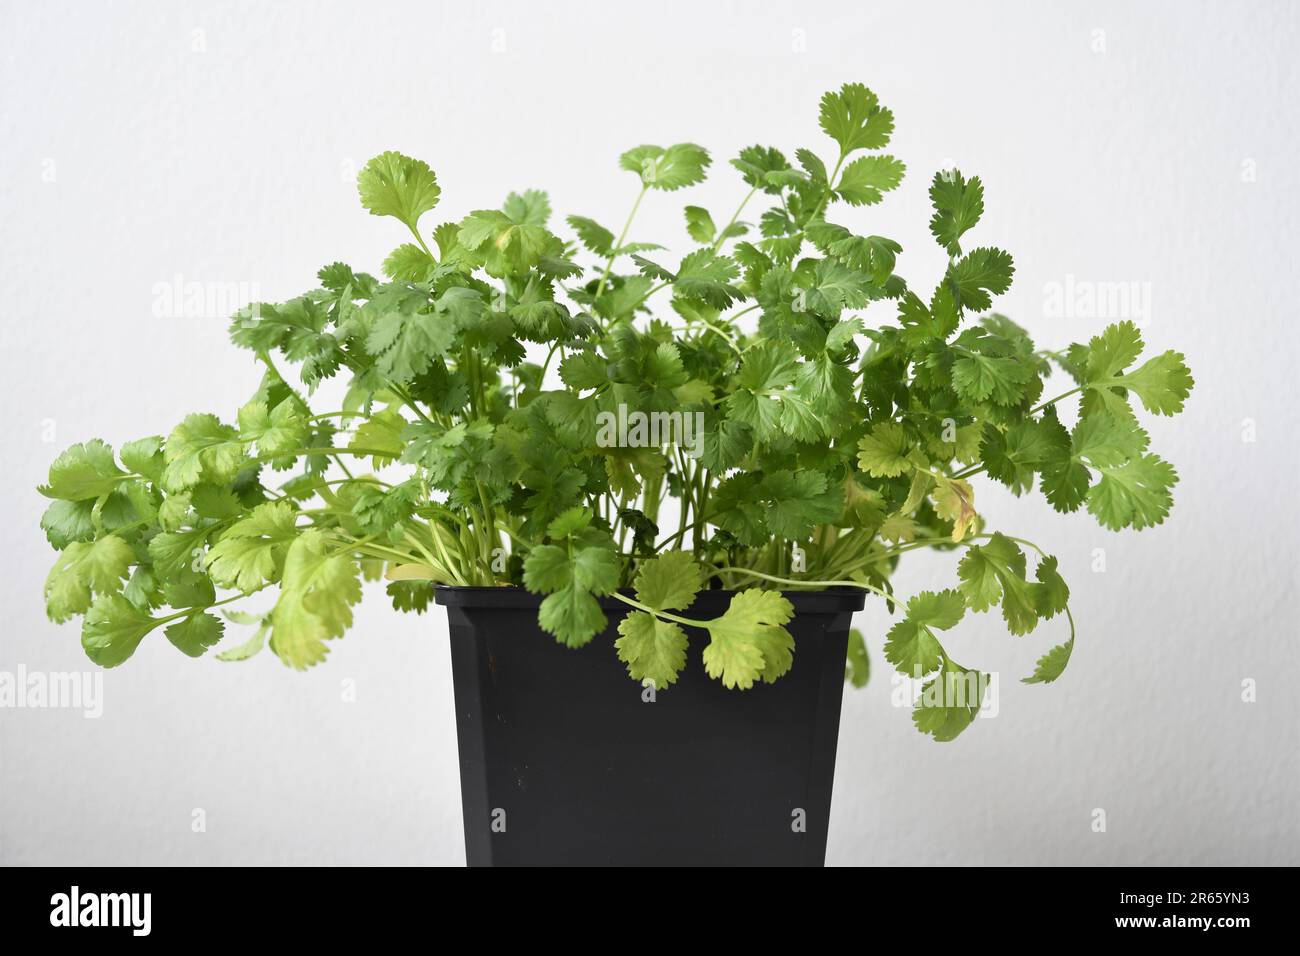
954,500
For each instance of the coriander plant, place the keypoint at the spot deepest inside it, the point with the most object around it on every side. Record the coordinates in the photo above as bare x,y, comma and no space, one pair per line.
775,410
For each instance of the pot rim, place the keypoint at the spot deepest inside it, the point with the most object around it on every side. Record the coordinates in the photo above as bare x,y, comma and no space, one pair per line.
825,601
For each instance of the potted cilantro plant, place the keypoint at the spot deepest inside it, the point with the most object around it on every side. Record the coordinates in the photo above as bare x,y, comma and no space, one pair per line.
700,464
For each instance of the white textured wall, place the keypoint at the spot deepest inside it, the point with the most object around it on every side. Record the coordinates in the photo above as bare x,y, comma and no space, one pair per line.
228,165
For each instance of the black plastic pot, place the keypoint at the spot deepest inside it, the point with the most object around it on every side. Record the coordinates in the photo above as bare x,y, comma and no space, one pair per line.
565,760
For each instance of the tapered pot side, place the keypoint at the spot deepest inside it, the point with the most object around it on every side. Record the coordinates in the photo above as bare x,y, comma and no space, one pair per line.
565,760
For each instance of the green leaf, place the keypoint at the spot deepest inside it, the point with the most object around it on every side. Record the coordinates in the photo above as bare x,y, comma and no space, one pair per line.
189,590
949,702
395,185
669,581
381,432
531,207
857,665
1133,495
510,246
1052,595
1162,383
653,650
1105,440
812,165
841,334
592,234
882,453
726,443
749,642
384,512
1099,439
408,263
1052,664
113,629
144,457
796,502
707,276
783,503
66,592
316,598
994,573
864,181
83,472
249,648
67,521
958,205
756,163
572,615
854,118
251,552
837,287
407,336
1065,484
911,646
105,563
584,370
569,523
980,378
571,574
282,430
699,224
193,635
873,255
201,448
1109,353
764,373
175,552
681,165
596,569
83,569
1012,457
979,273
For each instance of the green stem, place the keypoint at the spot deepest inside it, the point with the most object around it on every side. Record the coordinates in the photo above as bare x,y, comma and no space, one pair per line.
815,584
821,206
722,335
613,254
194,610
722,234
660,614
547,364
1053,401
442,551
735,315
420,240
409,402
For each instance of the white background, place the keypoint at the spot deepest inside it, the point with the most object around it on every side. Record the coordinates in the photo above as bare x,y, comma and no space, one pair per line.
1154,144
